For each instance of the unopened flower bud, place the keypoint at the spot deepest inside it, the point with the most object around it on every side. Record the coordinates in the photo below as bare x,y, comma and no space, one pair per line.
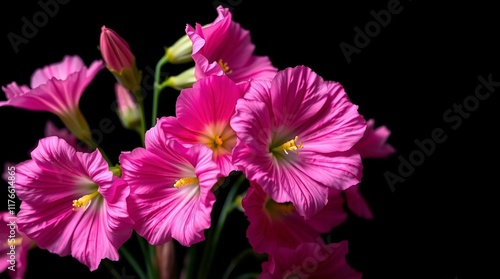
180,51
127,108
182,80
119,59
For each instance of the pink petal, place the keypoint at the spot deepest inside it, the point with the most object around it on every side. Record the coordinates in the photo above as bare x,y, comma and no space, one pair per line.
357,203
227,40
58,96
160,210
374,142
216,98
310,260
60,70
13,90
318,111
267,232
47,185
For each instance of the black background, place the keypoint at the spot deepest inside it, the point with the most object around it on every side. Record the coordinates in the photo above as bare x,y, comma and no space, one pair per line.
438,223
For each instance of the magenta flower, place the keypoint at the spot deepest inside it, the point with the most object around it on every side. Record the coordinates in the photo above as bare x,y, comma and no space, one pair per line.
15,247
374,142
57,89
310,260
207,121
119,59
170,188
296,136
71,203
274,225
224,47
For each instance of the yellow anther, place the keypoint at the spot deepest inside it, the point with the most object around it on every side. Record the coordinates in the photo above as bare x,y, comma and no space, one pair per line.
84,201
289,146
225,68
13,242
218,140
186,181
279,210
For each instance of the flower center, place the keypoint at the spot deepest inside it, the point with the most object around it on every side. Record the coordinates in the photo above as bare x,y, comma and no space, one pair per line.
288,146
84,201
13,242
186,181
225,68
279,210
218,141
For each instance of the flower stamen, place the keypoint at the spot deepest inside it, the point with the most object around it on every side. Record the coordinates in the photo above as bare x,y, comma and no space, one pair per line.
84,201
279,210
289,146
225,68
186,181
218,141
13,242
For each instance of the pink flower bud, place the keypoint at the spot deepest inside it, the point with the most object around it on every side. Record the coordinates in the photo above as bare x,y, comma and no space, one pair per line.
115,50
120,60
127,108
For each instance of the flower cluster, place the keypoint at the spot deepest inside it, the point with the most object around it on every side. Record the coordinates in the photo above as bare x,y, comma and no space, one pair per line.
296,139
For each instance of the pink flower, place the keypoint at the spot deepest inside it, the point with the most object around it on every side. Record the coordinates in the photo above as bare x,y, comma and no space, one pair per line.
57,89
295,138
71,203
274,225
170,188
310,260
203,113
119,59
14,250
224,47
374,142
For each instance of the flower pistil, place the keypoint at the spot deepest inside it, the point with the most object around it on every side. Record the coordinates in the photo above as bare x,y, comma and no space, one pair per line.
225,68
84,201
288,146
186,181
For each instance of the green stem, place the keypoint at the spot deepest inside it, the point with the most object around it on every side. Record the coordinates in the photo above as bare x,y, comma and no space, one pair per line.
191,261
140,104
124,251
143,245
157,88
152,267
111,269
248,276
214,235
234,263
